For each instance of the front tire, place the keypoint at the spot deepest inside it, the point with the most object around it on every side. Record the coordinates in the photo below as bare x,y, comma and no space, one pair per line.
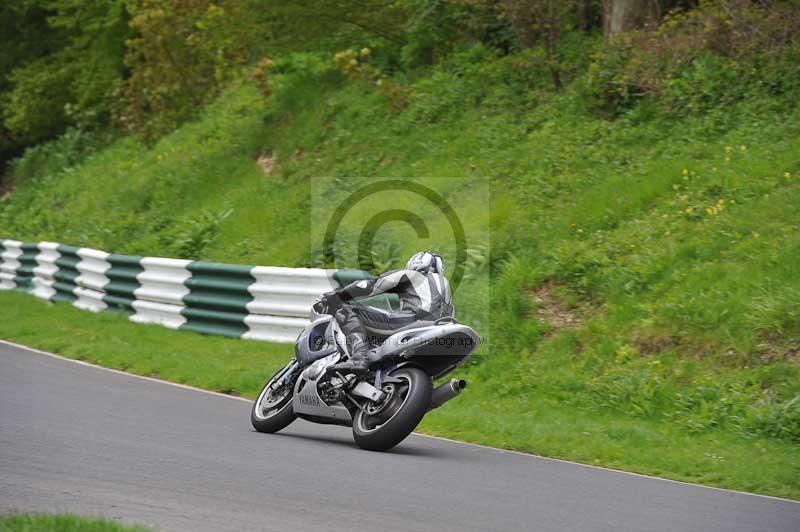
397,419
272,410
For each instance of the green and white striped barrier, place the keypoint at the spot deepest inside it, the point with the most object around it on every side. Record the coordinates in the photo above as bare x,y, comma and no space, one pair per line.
254,302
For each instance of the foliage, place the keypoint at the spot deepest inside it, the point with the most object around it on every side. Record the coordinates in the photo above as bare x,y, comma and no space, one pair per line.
356,66
326,24
697,55
181,56
542,21
260,74
18,20
48,161
62,70
194,234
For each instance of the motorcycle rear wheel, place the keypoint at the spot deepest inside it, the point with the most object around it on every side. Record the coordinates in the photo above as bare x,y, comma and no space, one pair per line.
271,413
395,421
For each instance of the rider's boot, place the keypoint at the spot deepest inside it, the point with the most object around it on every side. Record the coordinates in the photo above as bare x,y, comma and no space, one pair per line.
359,361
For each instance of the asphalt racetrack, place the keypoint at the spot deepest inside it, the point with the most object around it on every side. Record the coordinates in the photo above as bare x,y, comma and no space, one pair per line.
81,439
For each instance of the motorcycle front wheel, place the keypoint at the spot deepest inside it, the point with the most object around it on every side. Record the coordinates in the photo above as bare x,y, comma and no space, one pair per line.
385,425
273,411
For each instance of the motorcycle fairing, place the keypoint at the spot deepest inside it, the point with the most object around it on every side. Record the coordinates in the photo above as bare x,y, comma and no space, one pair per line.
445,339
438,349
307,401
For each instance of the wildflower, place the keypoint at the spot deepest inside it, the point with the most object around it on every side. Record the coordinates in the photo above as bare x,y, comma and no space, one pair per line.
685,172
728,149
787,175
365,52
675,186
688,210
756,235
742,148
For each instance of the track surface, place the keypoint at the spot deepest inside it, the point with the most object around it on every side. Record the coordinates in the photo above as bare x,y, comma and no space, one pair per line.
75,438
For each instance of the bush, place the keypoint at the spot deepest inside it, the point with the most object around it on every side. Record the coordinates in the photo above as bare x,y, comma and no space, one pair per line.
59,155
36,108
72,85
181,57
698,58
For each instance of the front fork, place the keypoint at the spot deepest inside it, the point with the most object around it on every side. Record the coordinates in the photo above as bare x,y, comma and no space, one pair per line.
291,371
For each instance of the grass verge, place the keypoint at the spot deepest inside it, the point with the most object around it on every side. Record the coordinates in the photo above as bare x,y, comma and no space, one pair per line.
488,413
61,523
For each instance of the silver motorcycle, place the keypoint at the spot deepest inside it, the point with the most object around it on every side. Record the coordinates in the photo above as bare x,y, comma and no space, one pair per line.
387,403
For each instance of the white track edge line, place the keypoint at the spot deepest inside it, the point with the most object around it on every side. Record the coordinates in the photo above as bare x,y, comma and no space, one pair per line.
120,372
440,438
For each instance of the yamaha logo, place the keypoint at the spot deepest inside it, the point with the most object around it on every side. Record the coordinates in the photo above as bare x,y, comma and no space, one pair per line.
309,400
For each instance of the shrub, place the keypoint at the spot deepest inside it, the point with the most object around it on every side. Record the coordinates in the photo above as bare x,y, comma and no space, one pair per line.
182,55
55,91
356,65
36,107
696,58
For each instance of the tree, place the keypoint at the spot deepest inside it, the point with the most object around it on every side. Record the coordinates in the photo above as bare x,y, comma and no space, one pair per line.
620,16
59,63
300,22
24,37
542,21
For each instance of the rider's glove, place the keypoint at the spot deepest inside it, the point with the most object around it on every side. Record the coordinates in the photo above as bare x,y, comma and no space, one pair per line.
329,301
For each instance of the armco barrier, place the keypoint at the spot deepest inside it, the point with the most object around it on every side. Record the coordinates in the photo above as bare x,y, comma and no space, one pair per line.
255,302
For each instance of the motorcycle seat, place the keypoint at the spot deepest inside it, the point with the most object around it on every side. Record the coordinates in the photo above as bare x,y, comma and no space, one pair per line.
389,332
378,321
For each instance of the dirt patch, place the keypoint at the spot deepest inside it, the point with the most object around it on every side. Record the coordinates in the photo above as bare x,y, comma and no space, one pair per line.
552,310
773,348
268,162
653,341
793,354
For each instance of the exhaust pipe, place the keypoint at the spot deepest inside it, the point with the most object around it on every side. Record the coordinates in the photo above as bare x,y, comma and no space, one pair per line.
445,392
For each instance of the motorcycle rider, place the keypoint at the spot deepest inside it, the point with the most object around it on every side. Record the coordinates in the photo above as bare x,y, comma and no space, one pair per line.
424,295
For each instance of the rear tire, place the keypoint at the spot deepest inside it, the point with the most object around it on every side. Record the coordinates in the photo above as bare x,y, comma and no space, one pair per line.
271,414
375,434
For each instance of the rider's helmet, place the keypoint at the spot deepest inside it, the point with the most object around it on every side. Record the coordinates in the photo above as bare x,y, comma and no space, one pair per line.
426,262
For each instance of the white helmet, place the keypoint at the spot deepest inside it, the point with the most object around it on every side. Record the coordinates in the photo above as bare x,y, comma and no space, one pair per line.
425,261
